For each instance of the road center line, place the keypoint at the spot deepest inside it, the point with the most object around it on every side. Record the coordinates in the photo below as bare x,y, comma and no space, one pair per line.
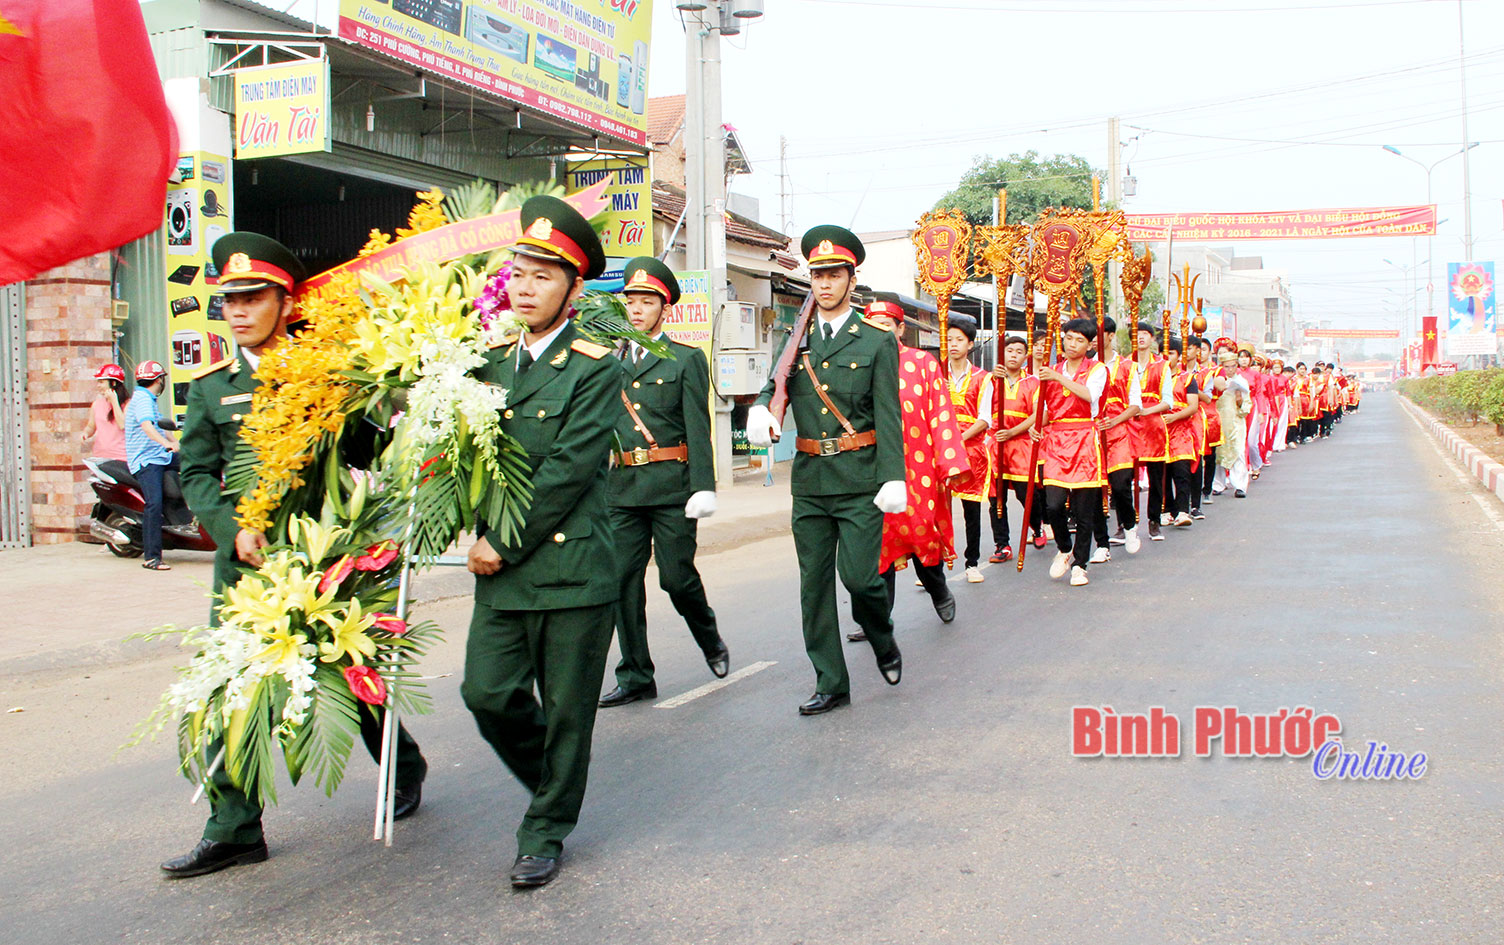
710,687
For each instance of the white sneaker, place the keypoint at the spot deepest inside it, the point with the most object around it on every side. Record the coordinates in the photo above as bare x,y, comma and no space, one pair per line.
1165,518
1060,565
1101,556
974,576
1132,541
1184,519
1078,577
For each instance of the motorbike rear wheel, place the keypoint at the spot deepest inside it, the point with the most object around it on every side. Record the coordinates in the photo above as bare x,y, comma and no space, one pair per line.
124,525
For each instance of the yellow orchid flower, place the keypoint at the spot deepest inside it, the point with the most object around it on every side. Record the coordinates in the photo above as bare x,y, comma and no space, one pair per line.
348,636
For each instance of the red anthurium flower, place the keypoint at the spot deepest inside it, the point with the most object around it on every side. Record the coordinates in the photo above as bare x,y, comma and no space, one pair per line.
336,574
366,684
390,624
377,556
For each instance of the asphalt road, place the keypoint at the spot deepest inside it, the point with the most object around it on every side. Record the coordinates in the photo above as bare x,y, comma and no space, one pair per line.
1359,578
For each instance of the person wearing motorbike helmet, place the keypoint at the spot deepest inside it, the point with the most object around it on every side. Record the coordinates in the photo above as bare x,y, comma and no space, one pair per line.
105,428
150,454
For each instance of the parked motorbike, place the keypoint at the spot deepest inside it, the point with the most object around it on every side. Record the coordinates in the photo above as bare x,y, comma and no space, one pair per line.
120,509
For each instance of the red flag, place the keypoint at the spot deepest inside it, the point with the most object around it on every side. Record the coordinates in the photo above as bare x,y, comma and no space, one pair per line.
1428,340
87,140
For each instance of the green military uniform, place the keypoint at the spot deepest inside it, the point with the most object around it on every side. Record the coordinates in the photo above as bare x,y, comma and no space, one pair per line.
651,482
544,619
219,397
837,528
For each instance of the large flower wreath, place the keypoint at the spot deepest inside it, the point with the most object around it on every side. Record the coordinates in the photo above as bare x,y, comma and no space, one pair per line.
379,376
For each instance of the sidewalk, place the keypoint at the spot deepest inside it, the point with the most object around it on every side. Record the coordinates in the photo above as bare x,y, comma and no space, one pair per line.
71,606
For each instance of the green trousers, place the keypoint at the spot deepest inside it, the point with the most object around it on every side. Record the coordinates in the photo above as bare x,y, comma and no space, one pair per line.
236,818
545,744
663,532
839,534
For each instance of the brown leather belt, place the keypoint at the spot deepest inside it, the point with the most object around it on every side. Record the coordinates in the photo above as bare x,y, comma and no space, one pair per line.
836,444
653,454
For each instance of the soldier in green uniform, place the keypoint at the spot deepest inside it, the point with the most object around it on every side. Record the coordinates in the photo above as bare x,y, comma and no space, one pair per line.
843,389
543,600
662,484
257,276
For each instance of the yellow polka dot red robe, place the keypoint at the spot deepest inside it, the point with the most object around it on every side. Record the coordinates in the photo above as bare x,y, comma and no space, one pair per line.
932,454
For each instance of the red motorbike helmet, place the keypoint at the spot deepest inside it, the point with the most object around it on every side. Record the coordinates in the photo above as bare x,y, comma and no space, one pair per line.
149,371
112,371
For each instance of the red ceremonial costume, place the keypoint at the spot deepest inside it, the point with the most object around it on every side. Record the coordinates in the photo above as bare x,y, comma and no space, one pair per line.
1014,402
1071,448
1150,439
1209,415
965,396
932,455
1121,450
1182,433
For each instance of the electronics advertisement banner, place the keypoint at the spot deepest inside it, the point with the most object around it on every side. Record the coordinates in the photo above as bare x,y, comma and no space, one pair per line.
628,231
585,63
198,213
1471,309
282,109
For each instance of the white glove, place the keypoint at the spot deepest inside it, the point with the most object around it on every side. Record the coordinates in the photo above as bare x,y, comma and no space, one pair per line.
762,426
892,498
700,505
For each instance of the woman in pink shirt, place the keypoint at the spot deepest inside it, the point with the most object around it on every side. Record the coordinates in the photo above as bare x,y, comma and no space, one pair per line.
106,426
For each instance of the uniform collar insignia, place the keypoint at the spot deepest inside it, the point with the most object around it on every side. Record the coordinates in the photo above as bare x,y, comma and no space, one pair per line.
559,359
541,229
853,329
235,368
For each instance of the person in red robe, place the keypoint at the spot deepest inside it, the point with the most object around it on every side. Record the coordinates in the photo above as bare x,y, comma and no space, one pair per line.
971,399
1072,449
922,533
1015,399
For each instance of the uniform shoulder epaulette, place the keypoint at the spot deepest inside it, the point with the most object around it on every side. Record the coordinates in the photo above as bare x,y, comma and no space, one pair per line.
590,349
216,366
876,325
503,341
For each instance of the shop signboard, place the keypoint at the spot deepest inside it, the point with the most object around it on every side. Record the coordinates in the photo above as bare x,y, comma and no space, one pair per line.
584,63
282,109
197,214
628,230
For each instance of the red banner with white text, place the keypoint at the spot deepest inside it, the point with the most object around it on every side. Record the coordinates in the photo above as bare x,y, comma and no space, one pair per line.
1284,224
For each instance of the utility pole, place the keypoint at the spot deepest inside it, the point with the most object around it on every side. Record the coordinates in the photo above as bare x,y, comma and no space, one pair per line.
705,190
1467,178
783,184
1115,198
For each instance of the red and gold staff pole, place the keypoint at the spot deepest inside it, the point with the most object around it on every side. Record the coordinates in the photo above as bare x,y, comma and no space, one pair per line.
1108,230
1133,280
942,250
1003,251
1056,267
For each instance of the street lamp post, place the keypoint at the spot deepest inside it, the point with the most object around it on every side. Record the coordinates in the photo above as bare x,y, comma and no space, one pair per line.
1430,245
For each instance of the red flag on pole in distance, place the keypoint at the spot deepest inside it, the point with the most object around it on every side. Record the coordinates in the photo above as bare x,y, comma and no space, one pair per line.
1428,340
86,137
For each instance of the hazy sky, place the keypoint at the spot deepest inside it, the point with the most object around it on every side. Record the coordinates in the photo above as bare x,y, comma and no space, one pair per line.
1226,105
1229,105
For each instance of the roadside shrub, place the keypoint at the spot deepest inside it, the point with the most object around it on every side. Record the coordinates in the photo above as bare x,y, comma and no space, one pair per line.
1464,397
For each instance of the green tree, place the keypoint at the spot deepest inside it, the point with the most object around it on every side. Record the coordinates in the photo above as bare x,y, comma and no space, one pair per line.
1034,183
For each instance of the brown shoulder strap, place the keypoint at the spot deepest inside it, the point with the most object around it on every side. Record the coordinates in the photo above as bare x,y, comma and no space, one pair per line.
637,421
815,380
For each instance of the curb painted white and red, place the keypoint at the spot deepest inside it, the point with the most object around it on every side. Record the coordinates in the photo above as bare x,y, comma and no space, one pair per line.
1477,462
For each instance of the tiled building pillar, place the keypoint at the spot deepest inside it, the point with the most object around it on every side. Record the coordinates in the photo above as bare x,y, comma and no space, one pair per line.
68,335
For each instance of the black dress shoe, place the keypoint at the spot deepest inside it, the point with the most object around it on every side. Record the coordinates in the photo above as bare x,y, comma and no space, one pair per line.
1241,494
822,702
856,637
719,661
530,871
946,608
891,666
210,856
406,802
620,696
